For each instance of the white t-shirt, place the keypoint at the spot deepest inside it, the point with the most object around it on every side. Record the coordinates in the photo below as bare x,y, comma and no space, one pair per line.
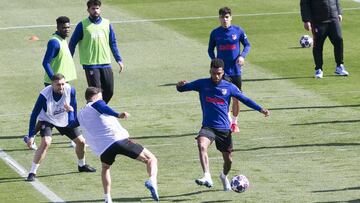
56,113
100,130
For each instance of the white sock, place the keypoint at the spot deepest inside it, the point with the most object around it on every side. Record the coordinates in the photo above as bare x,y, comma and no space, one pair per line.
108,198
223,175
153,180
207,175
234,119
34,167
81,162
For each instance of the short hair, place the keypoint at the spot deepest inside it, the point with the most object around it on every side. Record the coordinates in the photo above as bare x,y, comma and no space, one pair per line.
93,3
217,63
62,20
224,10
91,91
57,76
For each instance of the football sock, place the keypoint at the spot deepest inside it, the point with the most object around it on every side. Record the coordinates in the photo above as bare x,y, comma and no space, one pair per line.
153,180
207,175
234,119
34,167
108,198
81,162
223,175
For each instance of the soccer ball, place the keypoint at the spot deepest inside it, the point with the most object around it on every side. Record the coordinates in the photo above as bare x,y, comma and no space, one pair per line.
306,41
239,183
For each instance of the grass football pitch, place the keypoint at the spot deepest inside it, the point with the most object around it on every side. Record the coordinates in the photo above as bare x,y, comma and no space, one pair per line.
306,151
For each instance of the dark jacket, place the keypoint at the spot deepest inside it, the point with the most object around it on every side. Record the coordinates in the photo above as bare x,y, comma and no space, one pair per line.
320,11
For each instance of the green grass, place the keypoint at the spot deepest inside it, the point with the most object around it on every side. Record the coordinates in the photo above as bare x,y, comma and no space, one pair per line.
307,151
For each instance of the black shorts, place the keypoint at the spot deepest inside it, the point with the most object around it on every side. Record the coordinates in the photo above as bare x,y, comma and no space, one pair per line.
125,147
46,130
223,139
236,80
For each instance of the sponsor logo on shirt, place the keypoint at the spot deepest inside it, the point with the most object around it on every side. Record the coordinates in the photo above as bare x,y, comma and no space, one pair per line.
214,100
227,47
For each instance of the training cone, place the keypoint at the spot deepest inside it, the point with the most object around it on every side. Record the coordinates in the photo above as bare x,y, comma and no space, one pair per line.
34,38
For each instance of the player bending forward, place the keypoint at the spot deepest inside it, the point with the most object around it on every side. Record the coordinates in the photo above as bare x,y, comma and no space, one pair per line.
107,138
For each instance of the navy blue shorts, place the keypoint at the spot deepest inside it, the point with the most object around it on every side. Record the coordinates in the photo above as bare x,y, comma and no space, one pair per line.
236,80
223,139
125,147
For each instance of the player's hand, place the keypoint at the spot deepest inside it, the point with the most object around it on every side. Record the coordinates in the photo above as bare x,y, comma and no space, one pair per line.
124,115
307,26
68,108
265,112
30,142
241,61
340,18
121,66
181,83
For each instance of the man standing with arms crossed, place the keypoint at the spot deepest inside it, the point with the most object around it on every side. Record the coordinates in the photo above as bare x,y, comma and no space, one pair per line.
227,38
96,38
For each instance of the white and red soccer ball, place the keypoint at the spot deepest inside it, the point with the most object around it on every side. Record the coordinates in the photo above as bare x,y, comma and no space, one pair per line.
306,41
239,183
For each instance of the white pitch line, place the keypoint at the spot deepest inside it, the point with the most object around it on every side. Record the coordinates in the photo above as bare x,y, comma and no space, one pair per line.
23,173
166,19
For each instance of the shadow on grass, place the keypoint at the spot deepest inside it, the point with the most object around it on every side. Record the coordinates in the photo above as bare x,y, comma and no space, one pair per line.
328,122
336,190
164,136
301,145
162,198
346,201
22,179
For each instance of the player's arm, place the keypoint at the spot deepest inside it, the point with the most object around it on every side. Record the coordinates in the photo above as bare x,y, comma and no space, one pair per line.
40,104
183,86
247,101
52,51
72,107
75,38
114,48
305,11
211,46
103,108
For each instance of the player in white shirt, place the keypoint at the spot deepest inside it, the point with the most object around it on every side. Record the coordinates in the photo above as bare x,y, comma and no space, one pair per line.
107,138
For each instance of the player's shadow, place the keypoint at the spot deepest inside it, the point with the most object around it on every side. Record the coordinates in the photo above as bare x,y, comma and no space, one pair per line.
313,107
162,198
345,201
301,145
163,136
337,190
328,122
11,179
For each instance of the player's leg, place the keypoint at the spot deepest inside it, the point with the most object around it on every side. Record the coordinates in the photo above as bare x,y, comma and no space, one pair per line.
74,134
224,144
40,153
106,182
319,34
237,81
336,39
204,140
107,83
93,77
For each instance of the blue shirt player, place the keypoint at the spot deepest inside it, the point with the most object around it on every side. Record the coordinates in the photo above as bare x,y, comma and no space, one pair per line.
227,39
215,94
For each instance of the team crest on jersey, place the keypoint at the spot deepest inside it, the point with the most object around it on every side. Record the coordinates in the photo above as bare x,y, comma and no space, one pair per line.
223,91
233,37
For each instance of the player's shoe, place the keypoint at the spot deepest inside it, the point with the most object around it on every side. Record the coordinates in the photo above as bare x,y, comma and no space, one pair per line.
319,73
234,128
340,70
225,182
31,177
86,168
204,181
153,190
33,146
